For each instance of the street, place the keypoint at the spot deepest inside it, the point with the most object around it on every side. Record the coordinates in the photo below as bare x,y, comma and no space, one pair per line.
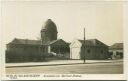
89,68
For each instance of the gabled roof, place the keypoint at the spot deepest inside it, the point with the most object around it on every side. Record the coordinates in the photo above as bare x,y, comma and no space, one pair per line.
92,42
116,46
25,41
36,42
58,42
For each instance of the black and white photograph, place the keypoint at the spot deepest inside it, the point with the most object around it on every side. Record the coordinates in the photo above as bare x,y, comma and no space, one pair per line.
63,37
63,80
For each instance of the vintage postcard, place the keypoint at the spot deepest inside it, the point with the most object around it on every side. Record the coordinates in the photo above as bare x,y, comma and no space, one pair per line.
59,40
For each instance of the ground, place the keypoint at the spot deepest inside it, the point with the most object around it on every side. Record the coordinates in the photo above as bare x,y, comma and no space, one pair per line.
88,68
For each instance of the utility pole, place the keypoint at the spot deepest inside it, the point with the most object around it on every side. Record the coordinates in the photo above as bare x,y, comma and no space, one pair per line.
40,47
84,45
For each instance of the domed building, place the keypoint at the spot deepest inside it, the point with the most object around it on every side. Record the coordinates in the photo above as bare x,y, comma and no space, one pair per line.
49,31
49,40
31,50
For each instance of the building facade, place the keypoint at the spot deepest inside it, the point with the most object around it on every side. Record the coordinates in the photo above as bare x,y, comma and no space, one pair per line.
37,50
116,51
23,50
93,49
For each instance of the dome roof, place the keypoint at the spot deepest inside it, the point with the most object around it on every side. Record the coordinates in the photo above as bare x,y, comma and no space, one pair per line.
49,25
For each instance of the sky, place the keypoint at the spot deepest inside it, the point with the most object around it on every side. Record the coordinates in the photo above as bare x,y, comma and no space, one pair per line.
101,20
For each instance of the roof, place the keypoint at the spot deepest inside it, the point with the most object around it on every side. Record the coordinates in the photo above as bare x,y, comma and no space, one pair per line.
36,42
93,42
58,42
49,25
25,41
116,46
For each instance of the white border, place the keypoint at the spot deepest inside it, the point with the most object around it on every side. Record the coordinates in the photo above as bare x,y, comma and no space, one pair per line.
84,76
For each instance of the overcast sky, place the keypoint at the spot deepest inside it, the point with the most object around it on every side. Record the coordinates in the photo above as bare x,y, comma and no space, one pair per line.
102,20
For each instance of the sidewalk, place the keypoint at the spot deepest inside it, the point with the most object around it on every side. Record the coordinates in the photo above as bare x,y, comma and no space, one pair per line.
58,62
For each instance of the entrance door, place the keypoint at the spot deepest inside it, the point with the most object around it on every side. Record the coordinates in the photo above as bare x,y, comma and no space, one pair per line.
75,53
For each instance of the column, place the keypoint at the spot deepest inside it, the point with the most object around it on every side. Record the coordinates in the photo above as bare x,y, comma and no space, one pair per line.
49,49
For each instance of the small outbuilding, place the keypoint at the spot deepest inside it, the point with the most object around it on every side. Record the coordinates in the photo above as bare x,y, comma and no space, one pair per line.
116,51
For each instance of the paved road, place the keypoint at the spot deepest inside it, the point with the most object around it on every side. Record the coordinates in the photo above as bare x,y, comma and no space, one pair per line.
58,62
92,68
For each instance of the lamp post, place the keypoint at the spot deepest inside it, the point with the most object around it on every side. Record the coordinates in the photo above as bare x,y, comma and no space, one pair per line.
84,45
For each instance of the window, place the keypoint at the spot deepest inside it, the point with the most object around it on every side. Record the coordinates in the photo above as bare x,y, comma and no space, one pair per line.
88,51
102,51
